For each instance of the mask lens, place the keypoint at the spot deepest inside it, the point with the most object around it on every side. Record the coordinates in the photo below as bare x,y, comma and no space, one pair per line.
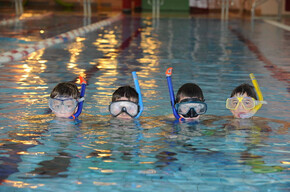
184,107
129,107
233,102
248,102
62,105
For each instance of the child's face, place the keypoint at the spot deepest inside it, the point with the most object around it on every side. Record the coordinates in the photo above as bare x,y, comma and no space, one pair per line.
188,118
240,110
124,115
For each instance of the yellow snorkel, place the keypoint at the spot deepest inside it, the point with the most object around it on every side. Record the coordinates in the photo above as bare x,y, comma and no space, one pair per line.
259,94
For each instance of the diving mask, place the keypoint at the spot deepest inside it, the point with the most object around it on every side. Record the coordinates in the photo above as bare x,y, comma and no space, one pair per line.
247,102
63,104
129,107
191,107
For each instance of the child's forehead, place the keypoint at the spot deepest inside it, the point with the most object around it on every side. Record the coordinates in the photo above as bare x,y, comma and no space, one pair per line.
241,95
126,99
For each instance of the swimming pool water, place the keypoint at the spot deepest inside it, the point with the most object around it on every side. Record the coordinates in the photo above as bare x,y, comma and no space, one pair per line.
39,153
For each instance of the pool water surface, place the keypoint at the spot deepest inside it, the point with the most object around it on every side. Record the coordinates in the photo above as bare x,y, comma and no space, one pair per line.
154,152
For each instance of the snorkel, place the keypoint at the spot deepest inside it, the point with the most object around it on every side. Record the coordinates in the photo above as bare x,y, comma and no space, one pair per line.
168,74
137,87
260,101
81,100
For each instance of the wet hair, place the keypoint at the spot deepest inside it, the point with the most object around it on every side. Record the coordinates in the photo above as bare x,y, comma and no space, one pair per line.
245,88
125,91
66,89
189,90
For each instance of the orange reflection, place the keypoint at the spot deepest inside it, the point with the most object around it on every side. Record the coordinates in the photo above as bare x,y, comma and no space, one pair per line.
107,44
20,184
146,162
107,171
75,49
93,168
31,142
30,153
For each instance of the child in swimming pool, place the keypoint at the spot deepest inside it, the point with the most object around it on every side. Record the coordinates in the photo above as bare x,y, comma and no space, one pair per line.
64,99
243,102
189,102
124,103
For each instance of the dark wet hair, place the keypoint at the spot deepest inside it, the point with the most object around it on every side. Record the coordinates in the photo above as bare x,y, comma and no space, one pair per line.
66,89
189,90
125,91
245,88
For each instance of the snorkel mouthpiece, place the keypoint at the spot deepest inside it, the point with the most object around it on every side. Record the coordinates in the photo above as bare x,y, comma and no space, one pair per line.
246,115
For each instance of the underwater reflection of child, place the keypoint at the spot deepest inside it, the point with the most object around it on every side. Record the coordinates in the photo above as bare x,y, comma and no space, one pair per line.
64,99
124,103
189,102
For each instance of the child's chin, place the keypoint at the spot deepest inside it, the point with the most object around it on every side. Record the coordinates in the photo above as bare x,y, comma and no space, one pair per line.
63,115
124,117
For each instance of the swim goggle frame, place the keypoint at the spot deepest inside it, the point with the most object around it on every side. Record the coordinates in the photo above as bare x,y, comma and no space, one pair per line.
124,106
191,107
247,102
63,104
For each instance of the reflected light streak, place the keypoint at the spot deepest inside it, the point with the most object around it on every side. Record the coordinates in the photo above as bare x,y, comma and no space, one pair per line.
33,66
149,171
20,184
103,183
31,142
30,153
103,150
146,162
94,168
107,171
75,49
285,162
104,155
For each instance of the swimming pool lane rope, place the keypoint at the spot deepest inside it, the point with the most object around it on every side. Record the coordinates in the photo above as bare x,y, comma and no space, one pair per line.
20,53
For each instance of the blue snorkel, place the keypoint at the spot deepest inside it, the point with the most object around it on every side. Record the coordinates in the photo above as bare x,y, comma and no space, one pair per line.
171,93
81,102
137,87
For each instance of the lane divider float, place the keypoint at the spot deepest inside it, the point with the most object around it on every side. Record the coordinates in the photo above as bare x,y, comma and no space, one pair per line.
19,53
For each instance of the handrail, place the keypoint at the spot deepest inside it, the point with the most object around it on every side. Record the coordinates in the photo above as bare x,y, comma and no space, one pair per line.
225,9
18,7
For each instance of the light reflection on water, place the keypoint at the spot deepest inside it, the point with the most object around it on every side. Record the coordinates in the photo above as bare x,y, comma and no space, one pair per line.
154,153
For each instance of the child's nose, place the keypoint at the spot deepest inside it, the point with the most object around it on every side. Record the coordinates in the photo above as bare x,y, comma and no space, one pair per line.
240,106
62,109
